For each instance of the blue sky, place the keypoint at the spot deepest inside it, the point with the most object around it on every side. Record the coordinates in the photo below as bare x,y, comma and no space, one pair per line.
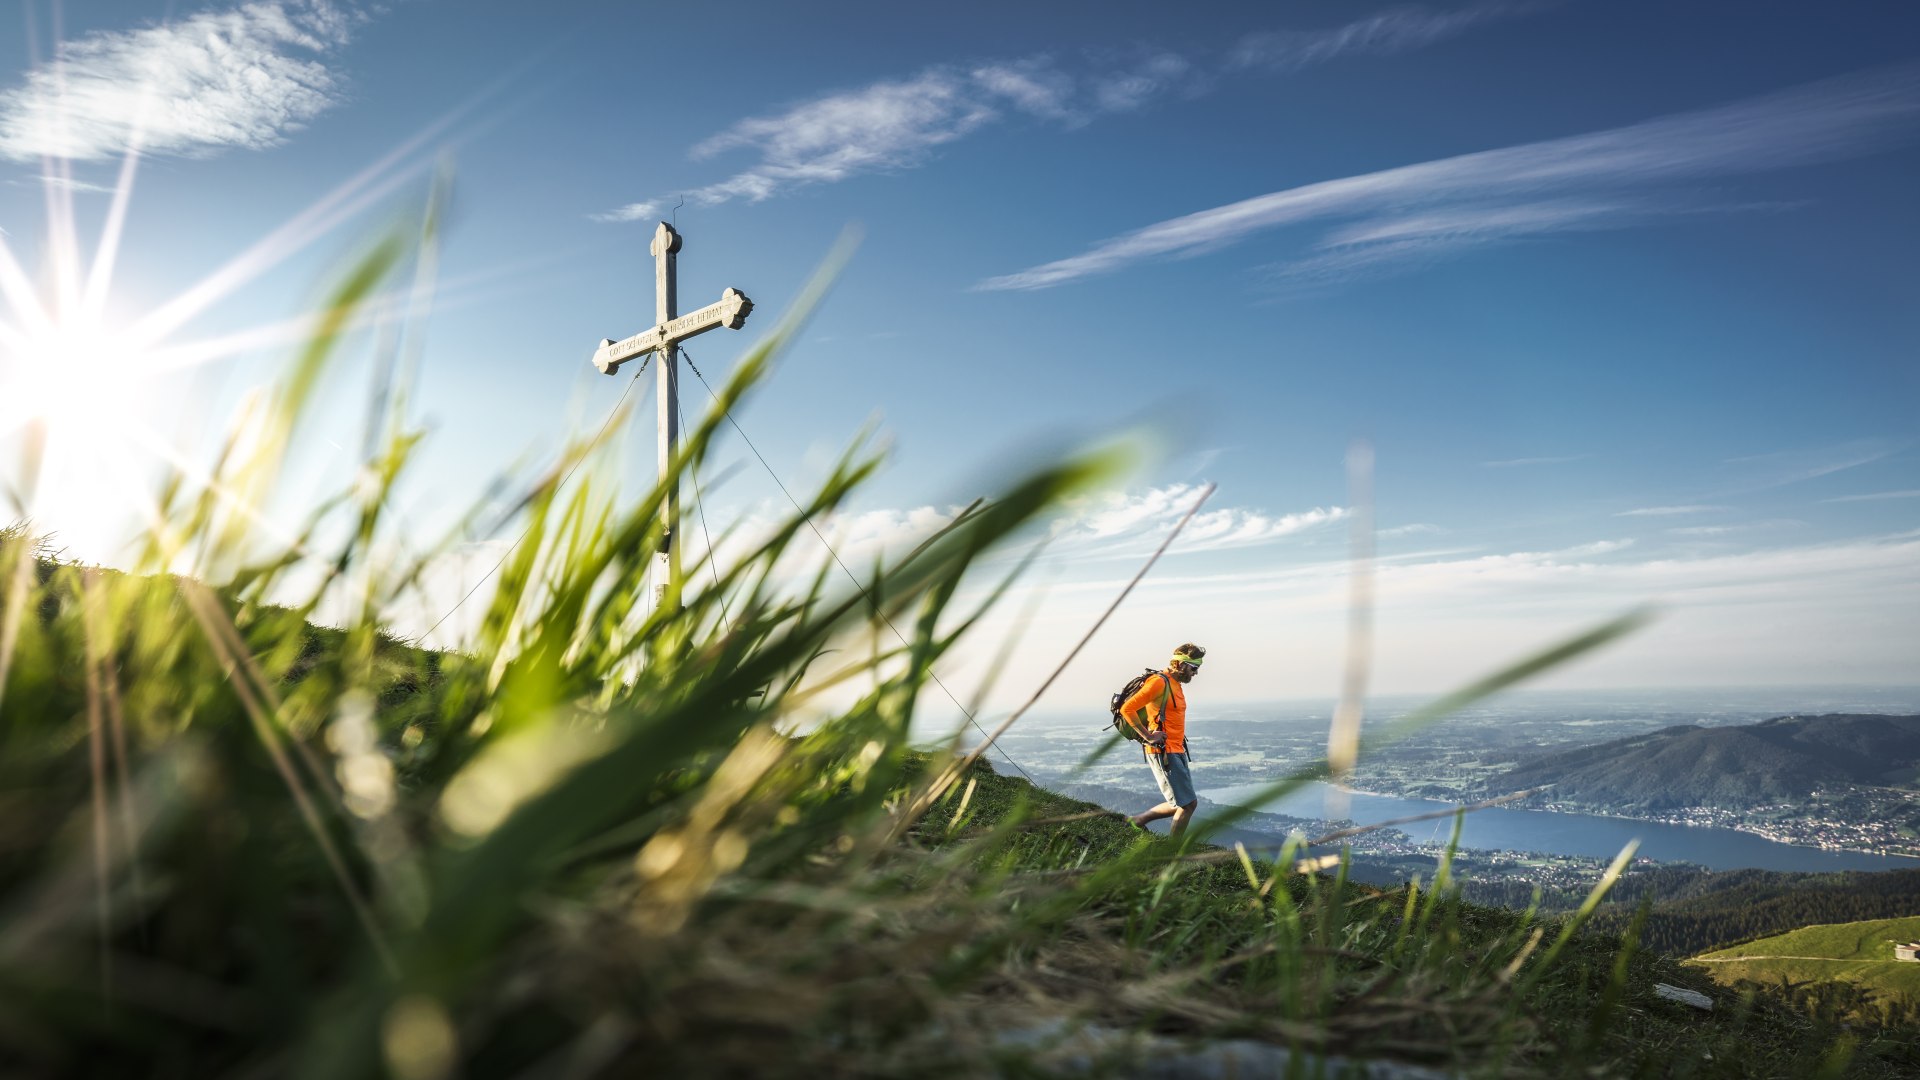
1621,296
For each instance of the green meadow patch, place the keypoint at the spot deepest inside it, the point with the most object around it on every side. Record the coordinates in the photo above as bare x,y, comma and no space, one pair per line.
1859,954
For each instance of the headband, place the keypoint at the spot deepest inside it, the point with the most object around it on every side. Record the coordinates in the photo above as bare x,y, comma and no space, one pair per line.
1183,658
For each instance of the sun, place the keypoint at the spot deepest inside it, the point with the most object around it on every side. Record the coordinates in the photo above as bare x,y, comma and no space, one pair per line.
86,400
80,379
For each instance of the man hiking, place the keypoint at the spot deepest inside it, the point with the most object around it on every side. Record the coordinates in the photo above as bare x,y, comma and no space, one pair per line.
1158,712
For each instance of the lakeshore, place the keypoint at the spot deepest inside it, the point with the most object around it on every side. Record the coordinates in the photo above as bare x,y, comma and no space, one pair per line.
1560,832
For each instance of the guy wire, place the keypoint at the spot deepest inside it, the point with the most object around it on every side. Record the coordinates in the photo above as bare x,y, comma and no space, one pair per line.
611,413
808,518
700,505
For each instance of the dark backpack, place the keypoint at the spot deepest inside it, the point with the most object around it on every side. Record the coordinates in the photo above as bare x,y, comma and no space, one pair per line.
1133,686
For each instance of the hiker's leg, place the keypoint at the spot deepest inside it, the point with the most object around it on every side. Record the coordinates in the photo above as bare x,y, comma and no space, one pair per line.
1178,788
1164,810
1181,816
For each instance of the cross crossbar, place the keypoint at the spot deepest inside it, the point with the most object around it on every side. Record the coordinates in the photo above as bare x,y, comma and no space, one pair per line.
730,313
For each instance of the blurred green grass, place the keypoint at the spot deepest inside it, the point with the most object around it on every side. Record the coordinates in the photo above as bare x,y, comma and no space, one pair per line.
601,841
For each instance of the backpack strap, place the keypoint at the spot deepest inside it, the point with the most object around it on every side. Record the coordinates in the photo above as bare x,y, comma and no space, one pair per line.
1159,723
1166,698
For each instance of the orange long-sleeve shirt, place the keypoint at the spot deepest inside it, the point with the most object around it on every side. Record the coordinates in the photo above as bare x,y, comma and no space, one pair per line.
1173,722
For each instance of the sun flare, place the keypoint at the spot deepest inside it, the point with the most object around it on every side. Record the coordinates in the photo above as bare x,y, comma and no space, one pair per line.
87,399
80,379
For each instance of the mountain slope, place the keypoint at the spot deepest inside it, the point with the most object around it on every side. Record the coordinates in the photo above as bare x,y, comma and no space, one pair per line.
1778,760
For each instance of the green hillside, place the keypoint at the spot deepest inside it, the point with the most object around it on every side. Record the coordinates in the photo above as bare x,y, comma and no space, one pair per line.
1856,953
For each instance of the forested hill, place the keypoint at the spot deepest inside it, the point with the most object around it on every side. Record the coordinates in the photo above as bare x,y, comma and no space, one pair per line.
1695,910
1778,760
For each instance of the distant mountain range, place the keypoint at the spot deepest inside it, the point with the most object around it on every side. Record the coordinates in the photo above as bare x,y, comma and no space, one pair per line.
1779,760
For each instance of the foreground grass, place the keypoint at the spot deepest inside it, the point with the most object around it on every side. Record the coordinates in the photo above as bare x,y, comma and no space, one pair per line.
613,841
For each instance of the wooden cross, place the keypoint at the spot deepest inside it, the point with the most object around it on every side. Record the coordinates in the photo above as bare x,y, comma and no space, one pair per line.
663,339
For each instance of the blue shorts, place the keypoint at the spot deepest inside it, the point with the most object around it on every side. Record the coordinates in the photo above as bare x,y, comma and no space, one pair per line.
1170,771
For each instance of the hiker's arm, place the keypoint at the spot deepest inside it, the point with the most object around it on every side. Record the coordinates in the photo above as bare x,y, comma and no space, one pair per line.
1145,728
1135,713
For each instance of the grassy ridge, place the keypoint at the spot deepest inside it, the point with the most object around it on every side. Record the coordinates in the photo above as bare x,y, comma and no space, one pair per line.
1595,1013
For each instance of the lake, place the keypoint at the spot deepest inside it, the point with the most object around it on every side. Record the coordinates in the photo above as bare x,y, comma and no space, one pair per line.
1569,834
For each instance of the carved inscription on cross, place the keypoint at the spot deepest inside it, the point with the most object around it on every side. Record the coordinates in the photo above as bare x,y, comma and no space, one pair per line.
663,338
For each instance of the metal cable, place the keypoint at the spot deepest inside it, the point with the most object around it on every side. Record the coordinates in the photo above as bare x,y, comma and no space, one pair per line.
808,518
615,411
700,506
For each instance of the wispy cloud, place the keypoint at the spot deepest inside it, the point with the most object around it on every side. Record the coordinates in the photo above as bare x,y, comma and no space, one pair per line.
1396,31
1405,244
1742,527
66,183
1553,574
1090,531
1418,528
1438,206
1597,547
1122,523
1783,467
1670,511
1114,524
1877,496
244,77
898,123
1511,463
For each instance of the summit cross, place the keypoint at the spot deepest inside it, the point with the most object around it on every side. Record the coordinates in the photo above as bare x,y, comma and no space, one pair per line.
664,338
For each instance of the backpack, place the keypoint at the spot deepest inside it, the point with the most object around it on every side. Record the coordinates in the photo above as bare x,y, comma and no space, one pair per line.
1113,707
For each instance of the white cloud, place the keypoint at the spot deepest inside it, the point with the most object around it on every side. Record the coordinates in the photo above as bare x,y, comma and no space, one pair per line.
1877,496
244,77
1498,192
1669,511
898,123
639,211
1418,528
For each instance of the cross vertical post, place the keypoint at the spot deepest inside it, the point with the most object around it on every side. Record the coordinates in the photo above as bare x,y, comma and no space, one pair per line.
663,339
666,293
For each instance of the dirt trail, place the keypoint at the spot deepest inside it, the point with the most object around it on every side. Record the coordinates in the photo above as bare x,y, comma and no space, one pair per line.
1828,959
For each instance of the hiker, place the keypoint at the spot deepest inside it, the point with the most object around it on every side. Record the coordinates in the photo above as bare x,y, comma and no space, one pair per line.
1158,712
